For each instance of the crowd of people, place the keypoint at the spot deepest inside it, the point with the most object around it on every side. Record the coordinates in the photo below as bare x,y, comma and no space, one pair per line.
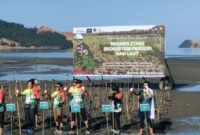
76,95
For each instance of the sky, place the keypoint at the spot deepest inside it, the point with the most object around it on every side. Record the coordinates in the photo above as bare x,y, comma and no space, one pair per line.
181,17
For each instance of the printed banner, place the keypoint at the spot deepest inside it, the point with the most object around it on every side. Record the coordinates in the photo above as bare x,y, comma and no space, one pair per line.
120,50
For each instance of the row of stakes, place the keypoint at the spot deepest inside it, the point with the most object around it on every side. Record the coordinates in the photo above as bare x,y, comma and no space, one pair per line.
98,94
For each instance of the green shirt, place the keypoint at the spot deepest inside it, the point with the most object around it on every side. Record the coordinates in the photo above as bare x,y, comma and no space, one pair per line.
29,98
58,97
77,97
146,98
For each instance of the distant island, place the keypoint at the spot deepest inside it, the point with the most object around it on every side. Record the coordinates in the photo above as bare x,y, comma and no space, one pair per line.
190,44
16,36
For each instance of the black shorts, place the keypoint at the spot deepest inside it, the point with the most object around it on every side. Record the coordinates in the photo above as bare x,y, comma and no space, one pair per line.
83,114
1,119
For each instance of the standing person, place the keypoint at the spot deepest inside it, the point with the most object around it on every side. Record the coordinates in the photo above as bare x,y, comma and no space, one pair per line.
145,97
2,109
36,91
29,106
76,95
59,99
116,98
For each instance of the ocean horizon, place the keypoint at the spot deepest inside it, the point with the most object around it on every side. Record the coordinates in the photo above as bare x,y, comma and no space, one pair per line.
182,52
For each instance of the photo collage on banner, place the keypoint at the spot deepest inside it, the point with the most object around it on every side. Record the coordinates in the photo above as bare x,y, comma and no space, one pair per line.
119,50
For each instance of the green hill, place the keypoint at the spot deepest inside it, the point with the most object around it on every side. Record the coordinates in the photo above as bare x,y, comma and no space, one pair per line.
27,37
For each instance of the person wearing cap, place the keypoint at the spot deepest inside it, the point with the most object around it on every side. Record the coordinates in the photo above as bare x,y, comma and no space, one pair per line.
29,106
76,95
36,91
116,98
145,97
2,109
59,99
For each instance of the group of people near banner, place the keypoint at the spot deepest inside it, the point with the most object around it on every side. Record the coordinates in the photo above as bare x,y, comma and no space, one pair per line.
76,94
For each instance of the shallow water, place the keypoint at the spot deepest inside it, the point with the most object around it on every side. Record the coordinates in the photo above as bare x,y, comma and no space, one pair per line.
190,88
192,132
61,73
35,53
193,121
193,124
183,52
44,71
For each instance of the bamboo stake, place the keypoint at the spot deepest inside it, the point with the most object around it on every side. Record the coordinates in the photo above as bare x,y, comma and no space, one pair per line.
157,106
50,106
138,96
98,99
43,132
133,96
127,107
11,115
18,114
21,89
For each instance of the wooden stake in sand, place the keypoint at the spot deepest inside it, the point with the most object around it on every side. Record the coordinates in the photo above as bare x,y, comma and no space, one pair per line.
50,106
21,88
43,132
127,106
19,117
90,84
98,98
11,113
18,114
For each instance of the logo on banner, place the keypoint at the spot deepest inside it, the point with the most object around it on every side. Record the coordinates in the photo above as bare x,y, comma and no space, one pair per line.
89,30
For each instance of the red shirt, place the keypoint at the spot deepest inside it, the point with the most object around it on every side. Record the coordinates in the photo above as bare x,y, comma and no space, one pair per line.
36,91
62,95
119,95
2,95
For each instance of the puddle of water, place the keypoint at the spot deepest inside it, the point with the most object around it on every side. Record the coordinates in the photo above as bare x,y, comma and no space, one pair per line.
196,132
44,72
190,88
191,121
36,53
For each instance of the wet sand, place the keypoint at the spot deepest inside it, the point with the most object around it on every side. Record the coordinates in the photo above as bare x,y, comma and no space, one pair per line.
184,104
184,69
184,113
20,64
182,107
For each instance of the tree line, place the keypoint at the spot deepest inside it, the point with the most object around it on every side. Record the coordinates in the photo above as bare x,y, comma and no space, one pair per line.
27,37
